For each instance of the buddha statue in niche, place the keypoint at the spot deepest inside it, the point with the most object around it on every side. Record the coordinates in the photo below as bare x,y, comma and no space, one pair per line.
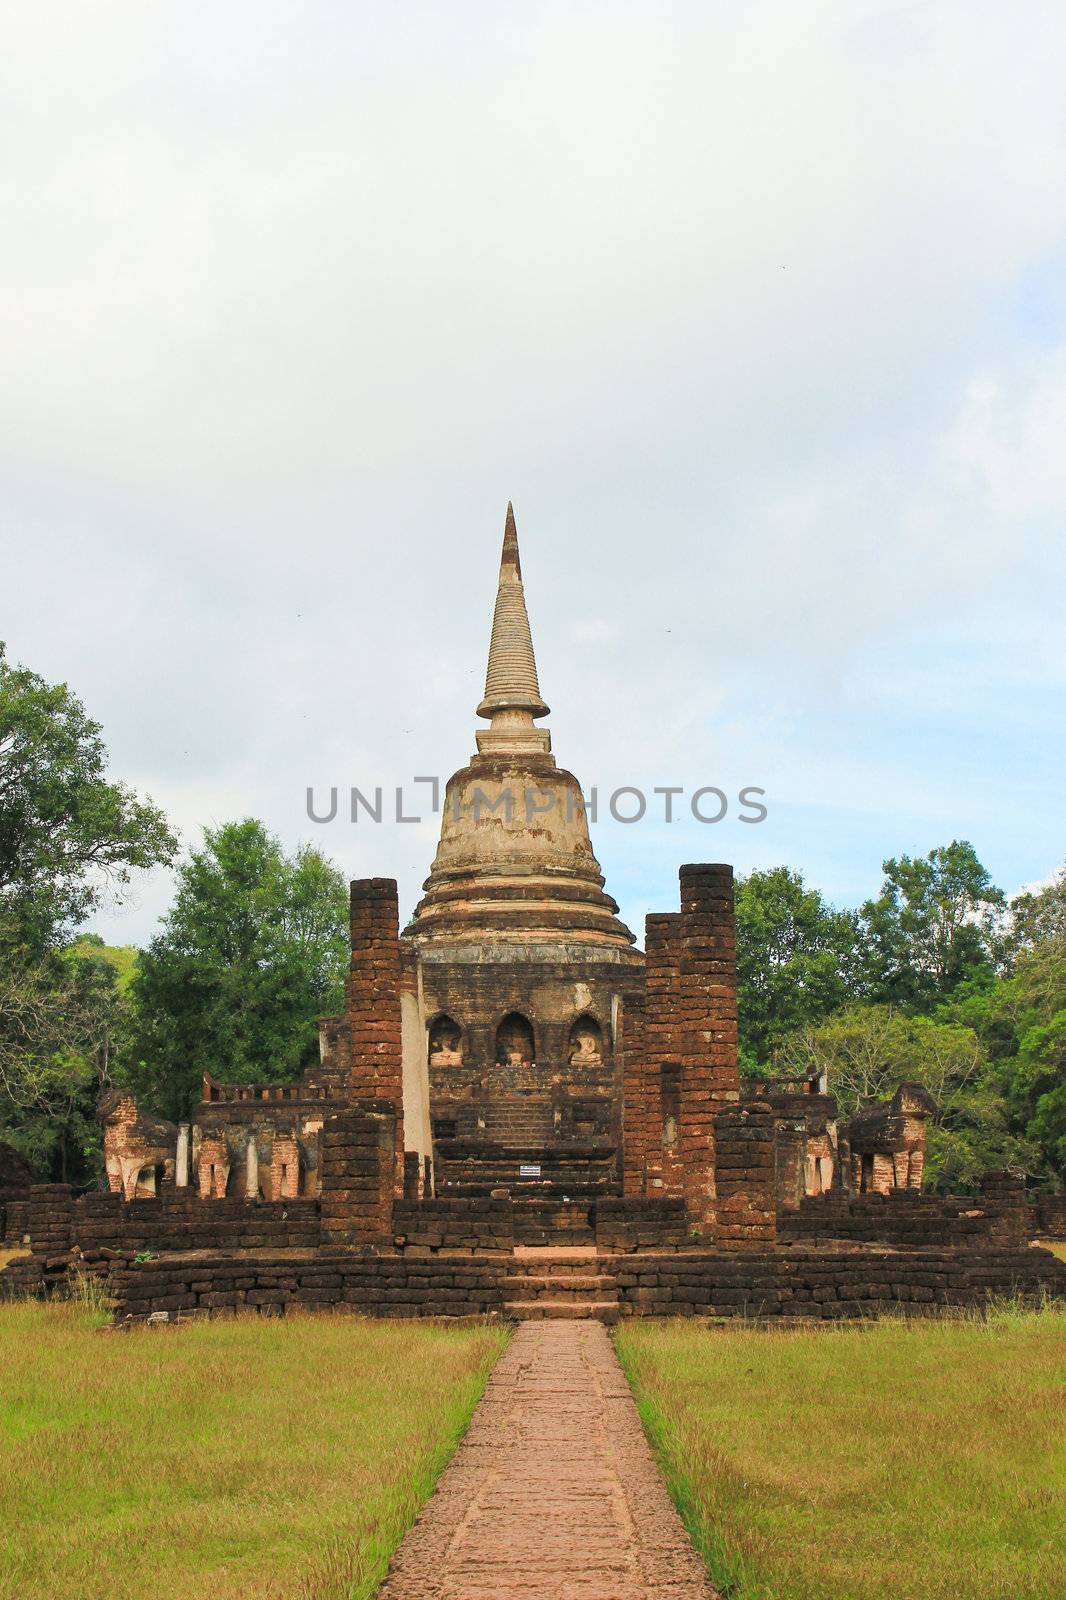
445,1044
586,1044
514,1042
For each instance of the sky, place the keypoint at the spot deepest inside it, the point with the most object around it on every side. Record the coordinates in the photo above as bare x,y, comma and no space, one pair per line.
757,313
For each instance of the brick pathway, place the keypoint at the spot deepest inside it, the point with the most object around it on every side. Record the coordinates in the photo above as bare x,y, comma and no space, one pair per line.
554,1493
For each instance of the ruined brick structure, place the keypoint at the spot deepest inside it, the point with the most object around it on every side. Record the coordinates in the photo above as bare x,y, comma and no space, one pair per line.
509,1075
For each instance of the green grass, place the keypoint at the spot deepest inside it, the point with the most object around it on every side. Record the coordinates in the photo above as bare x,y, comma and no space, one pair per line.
242,1458
917,1460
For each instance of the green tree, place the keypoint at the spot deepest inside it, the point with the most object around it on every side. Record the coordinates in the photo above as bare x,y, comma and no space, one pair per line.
1033,999
796,960
932,927
1038,917
63,1024
66,831
252,953
68,834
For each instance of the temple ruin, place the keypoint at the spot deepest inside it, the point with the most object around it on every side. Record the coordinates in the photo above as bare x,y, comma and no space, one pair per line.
511,1081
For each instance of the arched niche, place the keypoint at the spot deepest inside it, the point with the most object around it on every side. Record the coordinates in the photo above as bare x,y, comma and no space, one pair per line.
514,1040
585,1048
445,1042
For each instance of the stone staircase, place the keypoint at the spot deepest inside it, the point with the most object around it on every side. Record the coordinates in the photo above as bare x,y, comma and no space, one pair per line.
560,1283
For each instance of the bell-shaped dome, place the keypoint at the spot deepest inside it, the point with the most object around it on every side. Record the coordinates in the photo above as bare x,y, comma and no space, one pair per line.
515,859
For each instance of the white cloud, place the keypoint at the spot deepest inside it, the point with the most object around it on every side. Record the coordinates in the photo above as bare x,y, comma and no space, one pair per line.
751,310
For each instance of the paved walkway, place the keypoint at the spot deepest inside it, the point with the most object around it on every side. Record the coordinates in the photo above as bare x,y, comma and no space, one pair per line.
554,1493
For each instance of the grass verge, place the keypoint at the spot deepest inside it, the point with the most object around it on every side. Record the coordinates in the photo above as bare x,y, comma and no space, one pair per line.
247,1457
918,1460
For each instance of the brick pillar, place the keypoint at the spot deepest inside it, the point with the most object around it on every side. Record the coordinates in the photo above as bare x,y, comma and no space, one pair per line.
50,1218
1007,1196
662,1048
708,1011
746,1205
358,1163
374,1053
630,1048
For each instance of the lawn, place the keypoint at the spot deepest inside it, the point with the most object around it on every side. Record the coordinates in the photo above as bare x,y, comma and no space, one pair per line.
920,1460
248,1457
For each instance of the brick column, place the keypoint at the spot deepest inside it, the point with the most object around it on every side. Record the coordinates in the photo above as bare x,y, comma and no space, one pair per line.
357,1153
373,1004
50,1218
630,1047
662,1047
744,1169
708,1011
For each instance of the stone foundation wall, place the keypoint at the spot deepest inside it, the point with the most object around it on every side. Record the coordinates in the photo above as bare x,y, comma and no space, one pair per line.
380,1286
825,1285
828,1284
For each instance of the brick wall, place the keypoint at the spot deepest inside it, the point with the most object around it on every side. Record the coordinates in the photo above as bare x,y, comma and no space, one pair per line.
179,1220
427,1227
176,1219
906,1218
638,1223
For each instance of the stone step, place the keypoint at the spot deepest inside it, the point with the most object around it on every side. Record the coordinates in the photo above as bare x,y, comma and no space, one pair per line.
565,1272
569,1286
535,1257
532,1310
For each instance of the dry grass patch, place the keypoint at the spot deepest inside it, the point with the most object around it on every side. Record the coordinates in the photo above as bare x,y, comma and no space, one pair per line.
240,1458
922,1460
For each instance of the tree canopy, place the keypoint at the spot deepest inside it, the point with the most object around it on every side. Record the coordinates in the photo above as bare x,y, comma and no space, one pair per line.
66,830
68,834
253,951
797,958
932,926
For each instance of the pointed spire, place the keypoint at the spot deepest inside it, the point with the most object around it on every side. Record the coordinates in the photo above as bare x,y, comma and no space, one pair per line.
511,680
509,557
